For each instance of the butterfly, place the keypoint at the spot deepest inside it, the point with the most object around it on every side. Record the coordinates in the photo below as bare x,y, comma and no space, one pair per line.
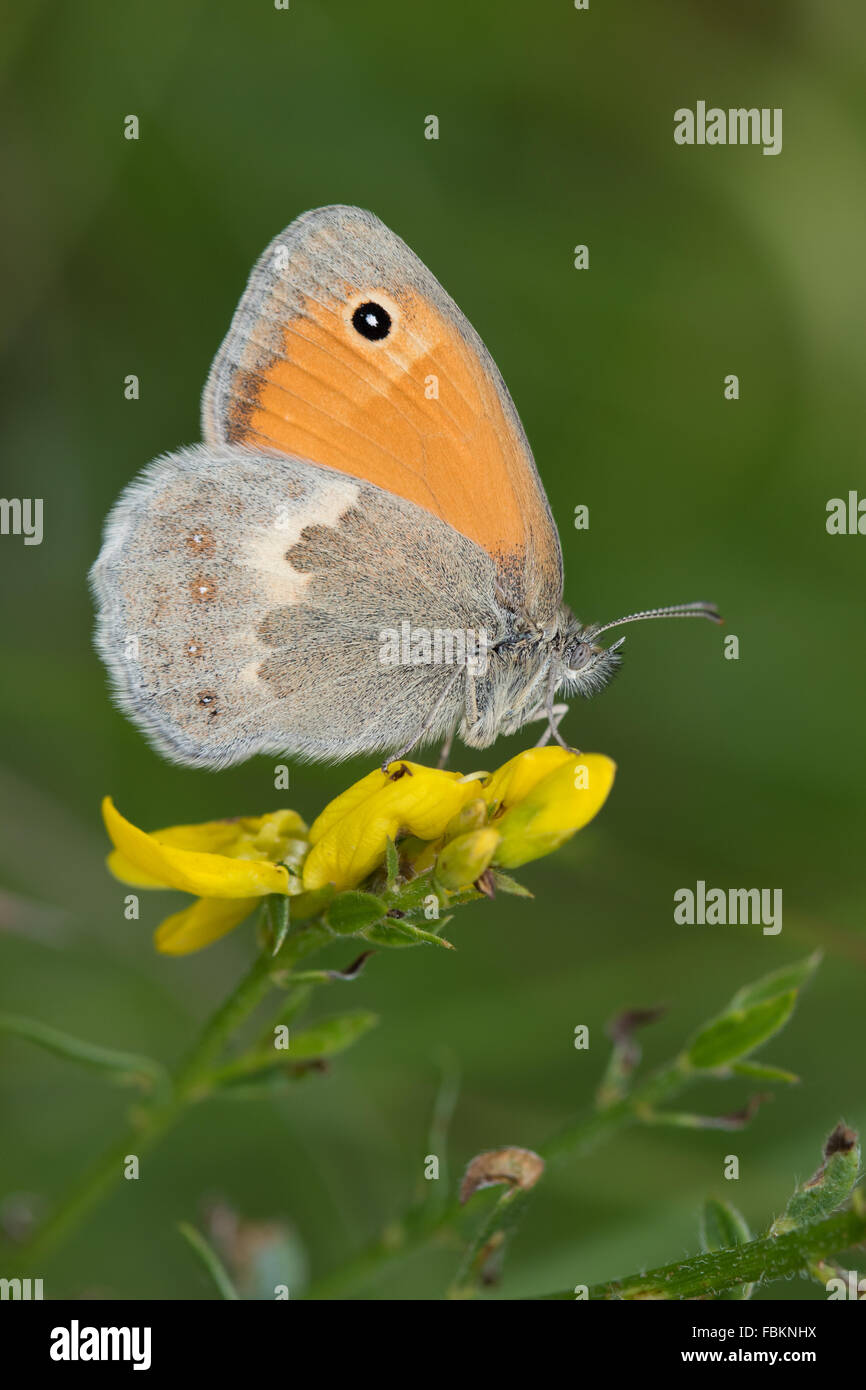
360,556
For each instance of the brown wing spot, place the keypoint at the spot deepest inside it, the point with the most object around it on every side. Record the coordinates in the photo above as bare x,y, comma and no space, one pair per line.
202,589
200,541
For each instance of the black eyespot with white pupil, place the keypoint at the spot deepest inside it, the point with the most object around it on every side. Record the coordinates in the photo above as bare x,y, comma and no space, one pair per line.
371,321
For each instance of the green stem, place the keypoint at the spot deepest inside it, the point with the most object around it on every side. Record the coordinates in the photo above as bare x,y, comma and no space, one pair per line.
211,1261
188,1084
490,1236
638,1107
771,1257
123,1066
190,1078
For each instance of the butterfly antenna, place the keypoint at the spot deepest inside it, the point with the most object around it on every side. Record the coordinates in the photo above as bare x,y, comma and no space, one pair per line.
676,610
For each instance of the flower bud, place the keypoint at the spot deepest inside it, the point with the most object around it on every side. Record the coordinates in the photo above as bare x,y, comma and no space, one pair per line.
465,858
472,816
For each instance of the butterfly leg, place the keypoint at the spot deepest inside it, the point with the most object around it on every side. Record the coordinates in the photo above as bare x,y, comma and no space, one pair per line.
445,750
428,723
553,714
554,717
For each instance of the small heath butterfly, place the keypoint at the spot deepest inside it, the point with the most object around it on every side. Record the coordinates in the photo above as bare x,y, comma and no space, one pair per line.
360,556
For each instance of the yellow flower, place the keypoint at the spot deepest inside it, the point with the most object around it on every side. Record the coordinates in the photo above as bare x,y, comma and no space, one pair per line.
539,799
350,836
456,825
230,865
534,803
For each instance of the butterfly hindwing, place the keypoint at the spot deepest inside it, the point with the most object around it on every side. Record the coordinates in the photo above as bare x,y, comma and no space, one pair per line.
244,600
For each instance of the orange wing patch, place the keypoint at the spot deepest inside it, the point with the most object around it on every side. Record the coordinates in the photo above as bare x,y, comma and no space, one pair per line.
417,423
413,404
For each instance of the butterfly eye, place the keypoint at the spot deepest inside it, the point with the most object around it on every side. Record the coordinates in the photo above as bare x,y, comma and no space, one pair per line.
578,656
372,321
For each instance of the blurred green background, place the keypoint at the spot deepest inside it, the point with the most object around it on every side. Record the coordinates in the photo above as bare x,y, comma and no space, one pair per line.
556,128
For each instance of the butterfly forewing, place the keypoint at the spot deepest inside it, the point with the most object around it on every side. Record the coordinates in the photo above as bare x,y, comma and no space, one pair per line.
346,350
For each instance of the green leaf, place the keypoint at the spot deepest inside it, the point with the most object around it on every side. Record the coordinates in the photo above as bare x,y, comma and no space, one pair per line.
390,935
278,919
723,1227
351,912
329,1037
739,1032
755,1013
790,977
323,1039
397,933
392,862
124,1067
412,893
758,1071
210,1259
504,883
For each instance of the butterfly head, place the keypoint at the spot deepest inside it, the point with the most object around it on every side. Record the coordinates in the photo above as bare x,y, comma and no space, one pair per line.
586,667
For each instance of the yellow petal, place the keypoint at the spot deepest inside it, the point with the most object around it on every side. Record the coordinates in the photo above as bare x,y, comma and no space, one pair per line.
240,837
515,779
125,871
203,922
206,875
362,791
350,836
347,801
555,808
208,837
